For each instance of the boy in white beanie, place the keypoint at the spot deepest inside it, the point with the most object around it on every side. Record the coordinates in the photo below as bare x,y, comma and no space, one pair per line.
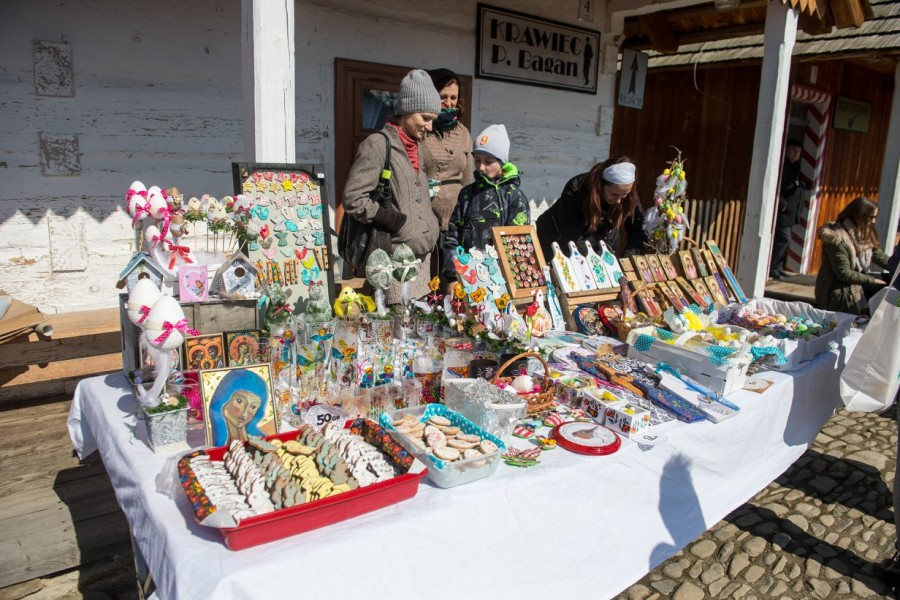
494,199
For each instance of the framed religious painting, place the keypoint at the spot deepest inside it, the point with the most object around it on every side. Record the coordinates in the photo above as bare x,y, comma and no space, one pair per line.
687,264
521,259
725,270
242,347
668,266
238,402
204,352
700,262
656,267
643,269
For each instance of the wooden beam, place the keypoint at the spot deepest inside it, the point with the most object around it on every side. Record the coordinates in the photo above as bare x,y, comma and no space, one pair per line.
756,239
700,36
267,62
847,13
889,188
657,29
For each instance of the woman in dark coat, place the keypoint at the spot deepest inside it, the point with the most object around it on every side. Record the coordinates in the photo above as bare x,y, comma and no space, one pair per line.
849,247
598,205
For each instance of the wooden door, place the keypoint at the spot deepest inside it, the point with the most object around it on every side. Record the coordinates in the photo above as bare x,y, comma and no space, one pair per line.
364,96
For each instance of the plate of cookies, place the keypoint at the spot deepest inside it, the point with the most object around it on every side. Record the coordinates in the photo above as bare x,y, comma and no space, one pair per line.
265,489
455,450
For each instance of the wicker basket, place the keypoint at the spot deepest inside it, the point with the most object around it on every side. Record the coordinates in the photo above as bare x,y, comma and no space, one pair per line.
536,402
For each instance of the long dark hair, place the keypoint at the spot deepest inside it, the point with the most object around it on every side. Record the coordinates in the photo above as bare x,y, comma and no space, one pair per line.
441,78
592,204
860,212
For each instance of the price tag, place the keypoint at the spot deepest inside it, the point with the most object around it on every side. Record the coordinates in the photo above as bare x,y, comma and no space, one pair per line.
321,414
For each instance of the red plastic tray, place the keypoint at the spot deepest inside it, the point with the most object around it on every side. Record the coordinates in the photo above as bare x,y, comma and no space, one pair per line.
312,515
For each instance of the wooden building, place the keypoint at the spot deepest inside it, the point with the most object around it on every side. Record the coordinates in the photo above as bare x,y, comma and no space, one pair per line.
701,96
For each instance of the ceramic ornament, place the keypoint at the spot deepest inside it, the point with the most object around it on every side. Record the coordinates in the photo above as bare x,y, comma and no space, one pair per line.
141,300
156,200
156,242
541,320
165,329
582,268
596,264
379,270
564,272
611,264
559,322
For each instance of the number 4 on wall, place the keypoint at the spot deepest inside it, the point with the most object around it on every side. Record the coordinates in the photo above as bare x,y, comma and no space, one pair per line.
586,11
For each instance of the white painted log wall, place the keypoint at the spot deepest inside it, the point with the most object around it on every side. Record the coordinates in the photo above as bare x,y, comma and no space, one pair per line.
158,98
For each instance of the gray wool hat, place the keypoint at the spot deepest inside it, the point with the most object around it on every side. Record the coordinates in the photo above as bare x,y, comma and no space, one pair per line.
493,141
417,94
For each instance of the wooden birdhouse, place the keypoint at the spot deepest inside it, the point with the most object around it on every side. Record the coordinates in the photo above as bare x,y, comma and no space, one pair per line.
141,266
236,278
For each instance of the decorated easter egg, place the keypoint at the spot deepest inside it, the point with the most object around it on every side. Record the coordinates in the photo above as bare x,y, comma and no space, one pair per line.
164,325
152,235
135,194
523,384
141,300
157,203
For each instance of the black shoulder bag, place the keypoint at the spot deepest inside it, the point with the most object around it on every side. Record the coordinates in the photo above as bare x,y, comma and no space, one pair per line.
356,241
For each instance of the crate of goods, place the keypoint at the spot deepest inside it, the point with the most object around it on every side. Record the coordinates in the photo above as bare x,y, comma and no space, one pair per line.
720,368
446,468
800,331
324,486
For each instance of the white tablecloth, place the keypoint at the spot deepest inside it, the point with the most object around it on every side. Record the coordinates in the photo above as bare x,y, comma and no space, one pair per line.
573,526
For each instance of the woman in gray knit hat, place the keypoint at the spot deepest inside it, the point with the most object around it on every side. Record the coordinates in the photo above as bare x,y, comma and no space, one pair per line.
410,220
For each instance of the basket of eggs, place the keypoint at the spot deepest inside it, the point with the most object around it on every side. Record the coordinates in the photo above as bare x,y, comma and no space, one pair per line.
539,396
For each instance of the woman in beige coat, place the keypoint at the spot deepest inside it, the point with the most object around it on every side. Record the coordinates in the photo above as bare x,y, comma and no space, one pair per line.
410,220
447,150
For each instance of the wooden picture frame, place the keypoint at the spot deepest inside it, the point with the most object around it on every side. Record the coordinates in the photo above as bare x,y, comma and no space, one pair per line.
204,352
656,268
643,269
701,288
710,261
725,269
687,264
238,402
690,292
514,258
666,292
700,262
668,266
714,290
242,348
677,294
646,298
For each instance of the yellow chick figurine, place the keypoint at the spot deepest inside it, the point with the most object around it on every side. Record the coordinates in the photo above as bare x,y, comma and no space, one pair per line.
350,304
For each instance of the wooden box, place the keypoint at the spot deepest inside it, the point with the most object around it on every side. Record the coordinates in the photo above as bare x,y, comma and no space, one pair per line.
214,316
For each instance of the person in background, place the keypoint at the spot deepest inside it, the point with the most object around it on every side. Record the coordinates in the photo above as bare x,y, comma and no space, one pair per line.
447,150
411,220
849,247
601,204
790,199
494,199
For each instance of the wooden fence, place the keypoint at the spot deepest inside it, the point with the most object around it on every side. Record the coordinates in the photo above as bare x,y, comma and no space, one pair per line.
719,220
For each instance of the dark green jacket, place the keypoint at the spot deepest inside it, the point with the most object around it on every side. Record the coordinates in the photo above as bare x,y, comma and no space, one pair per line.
838,274
482,205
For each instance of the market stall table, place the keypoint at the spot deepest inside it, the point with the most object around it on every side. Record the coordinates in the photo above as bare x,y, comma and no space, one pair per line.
575,526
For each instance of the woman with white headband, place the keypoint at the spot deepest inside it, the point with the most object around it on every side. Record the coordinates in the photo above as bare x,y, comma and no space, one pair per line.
597,205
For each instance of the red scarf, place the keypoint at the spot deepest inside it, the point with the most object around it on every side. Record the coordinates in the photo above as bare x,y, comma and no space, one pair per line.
410,145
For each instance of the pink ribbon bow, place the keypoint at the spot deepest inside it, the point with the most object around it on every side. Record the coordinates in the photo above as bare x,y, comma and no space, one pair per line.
166,218
278,309
138,209
169,327
130,193
144,310
178,252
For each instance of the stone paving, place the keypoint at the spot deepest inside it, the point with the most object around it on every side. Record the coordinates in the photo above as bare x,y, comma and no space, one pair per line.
818,531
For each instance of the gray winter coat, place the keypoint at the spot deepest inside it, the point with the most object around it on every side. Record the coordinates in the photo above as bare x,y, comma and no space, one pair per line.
421,228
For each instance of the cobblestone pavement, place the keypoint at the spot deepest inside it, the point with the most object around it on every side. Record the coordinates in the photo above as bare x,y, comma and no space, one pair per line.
818,531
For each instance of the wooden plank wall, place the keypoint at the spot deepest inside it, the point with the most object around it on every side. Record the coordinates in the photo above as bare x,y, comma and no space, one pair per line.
719,220
715,131
853,160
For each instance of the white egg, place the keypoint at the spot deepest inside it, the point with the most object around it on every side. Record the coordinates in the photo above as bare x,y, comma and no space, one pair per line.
133,195
150,232
523,384
145,293
165,310
157,204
